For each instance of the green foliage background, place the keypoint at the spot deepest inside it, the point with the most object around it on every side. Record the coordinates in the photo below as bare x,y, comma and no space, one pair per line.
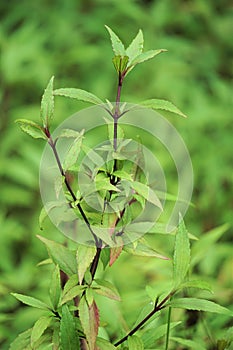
68,39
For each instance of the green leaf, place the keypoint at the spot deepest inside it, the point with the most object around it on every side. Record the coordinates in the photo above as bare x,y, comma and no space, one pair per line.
68,332
55,288
147,193
89,296
120,63
135,343
103,344
196,284
145,56
72,293
136,47
78,94
84,256
61,256
31,128
117,45
188,343
31,301
149,336
89,317
107,289
123,175
105,257
200,305
22,341
72,282
46,209
142,249
73,152
70,133
181,259
47,104
162,104
38,329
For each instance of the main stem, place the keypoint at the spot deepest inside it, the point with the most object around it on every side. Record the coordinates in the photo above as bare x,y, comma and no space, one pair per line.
117,109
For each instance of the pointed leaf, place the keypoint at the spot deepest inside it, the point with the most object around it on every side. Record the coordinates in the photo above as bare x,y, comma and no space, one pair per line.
197,284
89,317
149,337
135,343
200,305
31,301
78,94
162,104
89,296
55,288
72,282
145,56
107,289
31,128
120,63
181,259
61,256
188,343
22,341
143,250
47,104
72,293
73,152
136,47
147,193
84,256
103,344
70,133
115,252
39,327
69,334
117,45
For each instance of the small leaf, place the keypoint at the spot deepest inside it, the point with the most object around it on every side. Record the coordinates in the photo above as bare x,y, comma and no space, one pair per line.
188,343
72,282
117,45
136,47
149,337
31,301
143,250
31,128
196,284
181,259
70,133
103,344
200,305
73,152
78,94
89,317
135,343
163,104
145,56
147,193
61,256
22,341
39,327
84,256
107,289
46,209
120,63
69,334
115,253
105,257
72,293
123,175
58,183
47,104
89,296
55,288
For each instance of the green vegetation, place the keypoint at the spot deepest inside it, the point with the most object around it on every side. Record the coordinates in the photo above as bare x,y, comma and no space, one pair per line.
68,40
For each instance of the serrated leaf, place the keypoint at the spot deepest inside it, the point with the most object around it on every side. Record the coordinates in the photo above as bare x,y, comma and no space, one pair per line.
22,341
188,343
143,250
135,343
147,193
136,47
84,256
145,56
58,183
31,128
196,284
61,256
31,301
55,288
103,344
70,133
47,104
72,293
78,94
162,104
181,258
46,209
115,252
89,317
107,289
117,45
68,332
39,327
73,152
199,305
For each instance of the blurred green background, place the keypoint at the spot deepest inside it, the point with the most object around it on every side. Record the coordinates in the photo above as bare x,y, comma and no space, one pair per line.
67,39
